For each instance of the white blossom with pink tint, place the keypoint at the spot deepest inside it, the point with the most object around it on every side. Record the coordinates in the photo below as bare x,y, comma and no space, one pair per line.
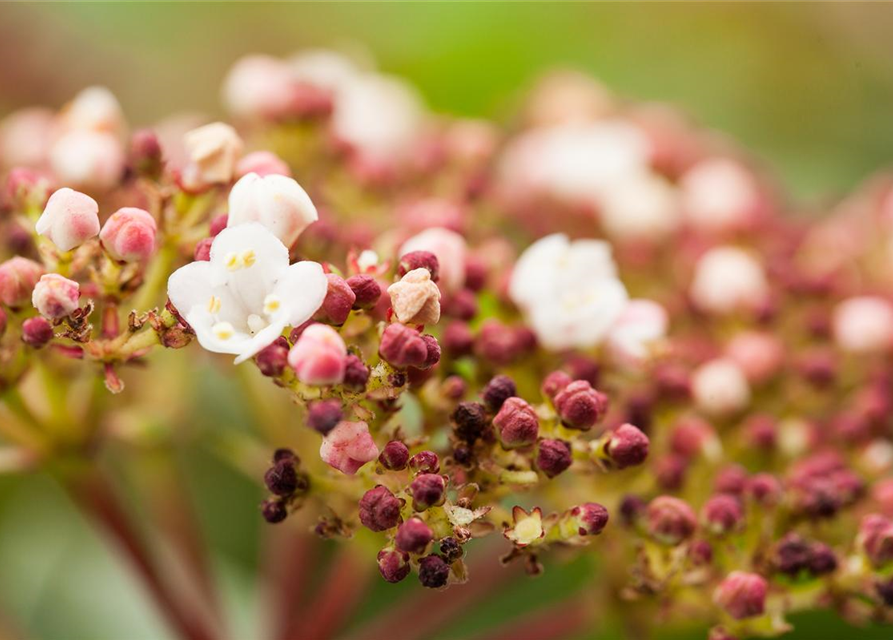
18,277
55,297
640,206
348,447
277,202
728,279
26,137
640,327
263,163
318,356
213,150
258,86
719,387
450,249
324,69
568,96
864,324
129,235
88,159
719,195
244,297
94,109
569,291
69,219
759,354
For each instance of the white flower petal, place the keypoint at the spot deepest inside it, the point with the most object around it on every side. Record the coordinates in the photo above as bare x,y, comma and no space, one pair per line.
302,289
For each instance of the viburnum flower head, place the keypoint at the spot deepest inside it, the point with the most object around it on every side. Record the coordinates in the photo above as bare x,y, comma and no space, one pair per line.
728,279
277,202
569,291
348,447
243,298
129,235
864,324
55,296
69,219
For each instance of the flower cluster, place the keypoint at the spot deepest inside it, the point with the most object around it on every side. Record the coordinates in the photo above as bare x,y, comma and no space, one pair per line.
603,322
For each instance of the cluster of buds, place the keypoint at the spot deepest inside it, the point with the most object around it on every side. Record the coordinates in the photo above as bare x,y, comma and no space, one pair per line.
601,317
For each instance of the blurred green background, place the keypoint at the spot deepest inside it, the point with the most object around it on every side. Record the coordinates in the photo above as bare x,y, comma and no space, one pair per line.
808,88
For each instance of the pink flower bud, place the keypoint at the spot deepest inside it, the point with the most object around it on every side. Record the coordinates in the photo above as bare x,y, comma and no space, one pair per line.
516,423
876,536
758,354
379,509
25,188
318,356
864,324
720,388
55,297
129,235
272,359
356,374
731,479
415,299
693,437
670,520
580,406
413,536
394,456
393,565
765,489
627,446
591,518
742,595
259,87
428,490
458,339
722,514
554,383
218,224
728,279
263,163
402,346
69,219
553,457
419,260
88,159
338,302
18,277
277,202
324,415
366,291
498,390
348,447
425,462
433,353
202,251
213,152
36,332
146,156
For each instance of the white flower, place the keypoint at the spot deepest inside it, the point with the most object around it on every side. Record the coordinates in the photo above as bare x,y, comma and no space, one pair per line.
247,294
642,324
214,150
258,86
324,69
863,324
94,109
277,202
719,387
640,206
719,194
69,219
728,279
87,158
569,291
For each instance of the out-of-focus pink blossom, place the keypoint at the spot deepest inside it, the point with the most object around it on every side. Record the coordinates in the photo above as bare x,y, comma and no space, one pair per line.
728,279
259,87
18,277
720,387
864,324
318,356
88,159
263,163
718,195
26,137
55,296
641,325
348,447
759,354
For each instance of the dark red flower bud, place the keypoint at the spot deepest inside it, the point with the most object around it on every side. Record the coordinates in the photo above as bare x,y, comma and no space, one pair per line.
631,509
553,457
37,332
282,478
284,453
475,273
324,415
692,437
670,471
295,333
433,572
419,260
498,390
765,489
671,520
202,252
394,456
450,549
457,339
627,447
145,153
469,421
379,509
338,302
761,432
413,536
592,518
463,454
731,479
356,373
701,553
672,382
497,343
742,595
462,305
402,346
425,462
583,368
453,387
274,510
218,224
580,406
428,490
366,291
393,565
876,533
822,559
516,423
722,514
272,359
433,353
818,367
554,383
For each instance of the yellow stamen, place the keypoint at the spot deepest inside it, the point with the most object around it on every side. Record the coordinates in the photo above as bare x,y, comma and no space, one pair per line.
223,330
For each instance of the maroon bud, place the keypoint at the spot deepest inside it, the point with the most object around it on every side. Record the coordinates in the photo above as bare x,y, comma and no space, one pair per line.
554,383
37,332
284,453
433,572
413,536
497,343
463,454
822,559
592,518
218,224
433,351
761,432
282,478
765,489
394,456
272,359
356,374
627,447
457,339
453,387
742,595
475,273
419,260
379,509
338,302
469,421
583,368
670,471
202,251
498,390
366,291
553,457
693,436
671,520
580,406
722,514
884,590
701,553
425,462
296,332
462,305
450,549
631,509
428,490
402,346
818,367
145,153
393,565
516,424
274,510
731,479
672,382
324,415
